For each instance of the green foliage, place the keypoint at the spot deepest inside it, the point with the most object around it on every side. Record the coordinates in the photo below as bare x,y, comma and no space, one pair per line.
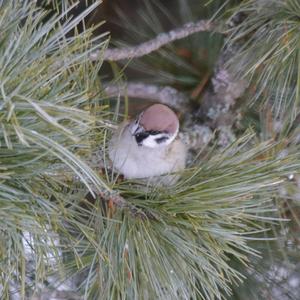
194,239
267,52
47,83
198,227
63,5
182,63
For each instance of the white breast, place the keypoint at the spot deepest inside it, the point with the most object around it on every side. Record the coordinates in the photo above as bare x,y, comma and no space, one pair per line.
135,161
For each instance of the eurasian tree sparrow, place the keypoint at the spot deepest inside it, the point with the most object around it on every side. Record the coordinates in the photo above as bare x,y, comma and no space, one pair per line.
147,147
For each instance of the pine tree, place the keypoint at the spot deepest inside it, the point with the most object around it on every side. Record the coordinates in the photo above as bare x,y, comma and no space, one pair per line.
70,228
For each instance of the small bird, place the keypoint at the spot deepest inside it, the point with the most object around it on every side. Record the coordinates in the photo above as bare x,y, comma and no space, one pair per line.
147,147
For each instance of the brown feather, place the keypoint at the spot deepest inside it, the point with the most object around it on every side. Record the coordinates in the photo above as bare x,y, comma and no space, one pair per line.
159,117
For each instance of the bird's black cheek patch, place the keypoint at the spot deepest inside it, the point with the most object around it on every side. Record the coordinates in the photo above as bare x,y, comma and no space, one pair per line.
161,140
140,137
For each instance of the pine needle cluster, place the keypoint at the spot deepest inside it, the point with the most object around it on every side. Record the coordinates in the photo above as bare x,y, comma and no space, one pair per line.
266,43
192,240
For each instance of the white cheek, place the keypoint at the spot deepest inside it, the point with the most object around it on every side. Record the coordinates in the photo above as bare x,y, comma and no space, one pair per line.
151,142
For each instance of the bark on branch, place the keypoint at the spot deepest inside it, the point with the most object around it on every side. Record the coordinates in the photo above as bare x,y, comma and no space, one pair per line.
156,43
163,94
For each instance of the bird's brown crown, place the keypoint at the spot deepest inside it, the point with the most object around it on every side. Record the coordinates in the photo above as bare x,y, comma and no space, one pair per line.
159,117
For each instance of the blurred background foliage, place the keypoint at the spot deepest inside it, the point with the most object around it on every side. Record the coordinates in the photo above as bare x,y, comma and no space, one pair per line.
229,229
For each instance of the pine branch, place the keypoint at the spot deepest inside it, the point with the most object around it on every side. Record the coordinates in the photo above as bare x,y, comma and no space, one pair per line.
272,68
121,203
164,94
161,40
200,225
44,121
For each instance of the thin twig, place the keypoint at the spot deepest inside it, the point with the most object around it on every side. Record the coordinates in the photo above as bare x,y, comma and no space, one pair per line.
120,202
156,43
163,94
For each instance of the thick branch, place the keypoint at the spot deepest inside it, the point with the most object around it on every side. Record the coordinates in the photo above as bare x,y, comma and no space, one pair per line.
156,43
163,94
